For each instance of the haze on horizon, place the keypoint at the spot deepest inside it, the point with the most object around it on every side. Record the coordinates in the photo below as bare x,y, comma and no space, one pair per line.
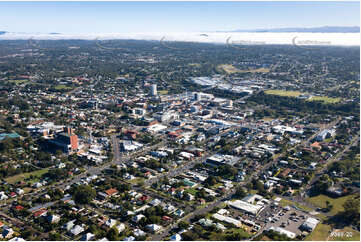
150,17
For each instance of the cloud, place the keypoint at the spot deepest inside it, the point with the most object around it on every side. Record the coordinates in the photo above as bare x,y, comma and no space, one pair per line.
236,39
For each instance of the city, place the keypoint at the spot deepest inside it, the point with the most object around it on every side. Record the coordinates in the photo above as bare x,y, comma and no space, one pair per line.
135,140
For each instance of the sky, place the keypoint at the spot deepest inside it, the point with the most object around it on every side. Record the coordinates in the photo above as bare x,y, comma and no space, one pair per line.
147,17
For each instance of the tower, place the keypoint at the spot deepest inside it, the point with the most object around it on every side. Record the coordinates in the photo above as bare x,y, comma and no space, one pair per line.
153,90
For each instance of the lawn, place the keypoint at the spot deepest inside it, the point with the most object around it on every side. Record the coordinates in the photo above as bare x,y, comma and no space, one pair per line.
285,202
62,87
284,93
258,70
163,92
23,176
18,82
347,234
191,191
320,201
328,100
321,232
324,232
230,69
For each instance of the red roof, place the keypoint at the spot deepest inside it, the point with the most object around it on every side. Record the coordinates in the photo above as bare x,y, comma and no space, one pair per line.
111,191
19,207
40,212
143,198
166,218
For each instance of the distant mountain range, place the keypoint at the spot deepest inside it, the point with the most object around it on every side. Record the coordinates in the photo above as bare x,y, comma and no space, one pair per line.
324,29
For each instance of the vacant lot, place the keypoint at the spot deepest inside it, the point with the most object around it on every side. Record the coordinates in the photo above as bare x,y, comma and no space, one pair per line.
23,176
321,233
18,82
163,92
285,202
320,201
325,99
62,87
230,69
284,93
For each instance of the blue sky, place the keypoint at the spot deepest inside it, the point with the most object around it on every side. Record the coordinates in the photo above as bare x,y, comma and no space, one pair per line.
111,17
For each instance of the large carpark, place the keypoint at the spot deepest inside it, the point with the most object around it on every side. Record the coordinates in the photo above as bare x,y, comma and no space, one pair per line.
272,215
289,219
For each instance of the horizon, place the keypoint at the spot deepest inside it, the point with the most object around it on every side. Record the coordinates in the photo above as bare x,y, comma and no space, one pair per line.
150,17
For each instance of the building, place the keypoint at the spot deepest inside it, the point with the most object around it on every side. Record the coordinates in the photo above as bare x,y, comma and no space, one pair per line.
139,112
228,220
310,224
289,234
220,159
153,90
245,207
65,141
324,134
128,145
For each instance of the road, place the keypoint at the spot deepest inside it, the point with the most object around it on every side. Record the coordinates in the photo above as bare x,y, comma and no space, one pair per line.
230,193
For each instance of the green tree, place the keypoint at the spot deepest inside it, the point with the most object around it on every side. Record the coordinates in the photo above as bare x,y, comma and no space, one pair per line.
112,234
84,194
352,210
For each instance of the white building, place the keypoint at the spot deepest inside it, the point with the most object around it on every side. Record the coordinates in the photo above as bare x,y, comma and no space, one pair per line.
153,90
310,224
289,234
245,206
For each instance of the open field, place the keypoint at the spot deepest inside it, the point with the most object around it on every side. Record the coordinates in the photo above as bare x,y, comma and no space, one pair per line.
321,233
23,176
62,87
320,201
346,234
163,92
324,99
230,69
285,202
18,82
284,93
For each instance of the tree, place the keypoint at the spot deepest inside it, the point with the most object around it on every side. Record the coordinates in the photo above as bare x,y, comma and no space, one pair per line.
210,181
240,192
84,194
352,209
183,225
189,236
54,236
112,234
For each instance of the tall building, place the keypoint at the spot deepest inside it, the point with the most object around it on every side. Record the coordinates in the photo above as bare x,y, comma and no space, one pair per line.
66,141
153,90
197,96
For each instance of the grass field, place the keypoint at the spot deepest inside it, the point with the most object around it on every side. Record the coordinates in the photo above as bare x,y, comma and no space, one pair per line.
163,92
347,234
62,87
191,191
284,93
285,202
324,99
230,69
320,201
258,70
18,82
321,232
324,232
23,176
